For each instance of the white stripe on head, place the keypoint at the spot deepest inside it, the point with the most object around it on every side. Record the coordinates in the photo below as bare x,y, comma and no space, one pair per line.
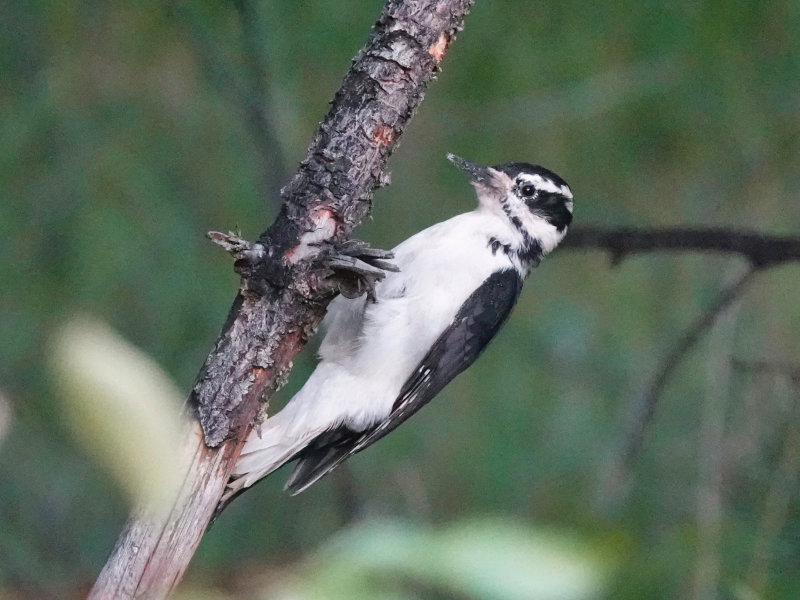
546,185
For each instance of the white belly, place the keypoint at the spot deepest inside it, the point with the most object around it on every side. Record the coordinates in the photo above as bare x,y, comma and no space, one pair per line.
371,349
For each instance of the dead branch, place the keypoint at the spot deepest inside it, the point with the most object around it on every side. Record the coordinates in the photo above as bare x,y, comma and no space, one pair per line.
711,501
789,370
645,404
760,249
258,104
777,500
283,297
248,91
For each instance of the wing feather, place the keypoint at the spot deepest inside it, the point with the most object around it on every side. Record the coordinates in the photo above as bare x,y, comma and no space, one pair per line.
476,323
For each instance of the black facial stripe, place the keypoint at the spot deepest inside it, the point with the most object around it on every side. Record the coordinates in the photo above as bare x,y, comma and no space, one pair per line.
551,206
530,253
559,217
556,213
546,198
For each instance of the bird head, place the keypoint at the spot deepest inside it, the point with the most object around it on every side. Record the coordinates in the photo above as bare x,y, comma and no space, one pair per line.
536,201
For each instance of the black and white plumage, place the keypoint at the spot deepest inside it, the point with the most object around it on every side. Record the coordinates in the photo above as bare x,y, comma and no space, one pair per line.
383,360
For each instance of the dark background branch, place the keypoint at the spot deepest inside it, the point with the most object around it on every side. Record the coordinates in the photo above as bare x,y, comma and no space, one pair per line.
643,406
247,90
785,368
258,104
760,249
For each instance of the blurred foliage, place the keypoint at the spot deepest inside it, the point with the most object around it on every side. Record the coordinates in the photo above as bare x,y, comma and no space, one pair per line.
122,408
484,559
124,137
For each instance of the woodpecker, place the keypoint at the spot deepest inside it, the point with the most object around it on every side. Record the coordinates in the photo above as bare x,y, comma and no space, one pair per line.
387,354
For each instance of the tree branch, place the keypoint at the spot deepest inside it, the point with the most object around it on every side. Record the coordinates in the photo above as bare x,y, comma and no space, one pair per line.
760,249
778,497
788,369
249,92
283,297
258,104
645,404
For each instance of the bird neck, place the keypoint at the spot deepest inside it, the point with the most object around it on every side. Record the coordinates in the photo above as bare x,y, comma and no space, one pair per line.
525,243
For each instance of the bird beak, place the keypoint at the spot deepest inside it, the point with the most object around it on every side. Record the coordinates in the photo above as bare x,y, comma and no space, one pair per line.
478,175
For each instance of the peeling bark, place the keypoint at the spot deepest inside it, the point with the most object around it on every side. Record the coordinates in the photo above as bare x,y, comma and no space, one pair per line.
284,291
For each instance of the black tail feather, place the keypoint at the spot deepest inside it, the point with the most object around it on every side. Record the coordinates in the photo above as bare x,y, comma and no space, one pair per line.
325,452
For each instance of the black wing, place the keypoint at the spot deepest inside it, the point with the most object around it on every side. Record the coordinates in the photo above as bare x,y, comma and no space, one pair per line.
475,324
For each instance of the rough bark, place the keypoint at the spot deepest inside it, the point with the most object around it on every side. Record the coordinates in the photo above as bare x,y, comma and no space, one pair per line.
284,291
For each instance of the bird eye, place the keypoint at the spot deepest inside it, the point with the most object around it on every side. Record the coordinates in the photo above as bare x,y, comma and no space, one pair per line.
528,190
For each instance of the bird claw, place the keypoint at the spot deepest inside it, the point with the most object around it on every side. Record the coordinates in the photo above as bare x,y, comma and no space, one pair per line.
357,267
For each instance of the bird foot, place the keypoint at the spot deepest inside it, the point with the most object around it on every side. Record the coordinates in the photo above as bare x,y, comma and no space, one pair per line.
357,267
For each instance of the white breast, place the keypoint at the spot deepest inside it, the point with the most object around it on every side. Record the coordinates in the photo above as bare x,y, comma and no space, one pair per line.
370,349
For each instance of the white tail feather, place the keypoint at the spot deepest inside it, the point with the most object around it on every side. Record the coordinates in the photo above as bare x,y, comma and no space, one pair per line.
283,435
266,450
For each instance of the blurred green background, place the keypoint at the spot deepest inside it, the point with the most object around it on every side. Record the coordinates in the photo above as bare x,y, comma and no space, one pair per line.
126,134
